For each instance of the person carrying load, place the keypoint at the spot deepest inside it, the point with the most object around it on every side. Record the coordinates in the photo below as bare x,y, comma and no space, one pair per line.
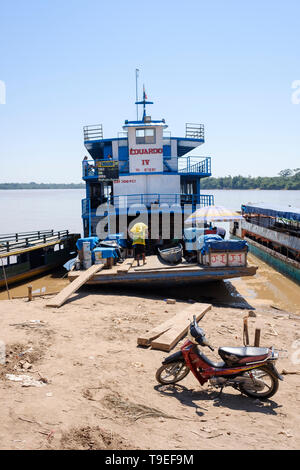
138,235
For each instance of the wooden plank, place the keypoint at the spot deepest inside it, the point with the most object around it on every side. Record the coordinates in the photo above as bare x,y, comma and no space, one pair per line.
170,338
185,315
72,275
125,266
146,338
74,286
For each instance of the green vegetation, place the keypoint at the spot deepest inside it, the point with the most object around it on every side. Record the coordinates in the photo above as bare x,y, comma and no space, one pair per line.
41,186
286,179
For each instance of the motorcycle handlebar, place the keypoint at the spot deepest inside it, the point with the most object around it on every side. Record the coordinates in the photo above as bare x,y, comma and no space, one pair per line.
205,342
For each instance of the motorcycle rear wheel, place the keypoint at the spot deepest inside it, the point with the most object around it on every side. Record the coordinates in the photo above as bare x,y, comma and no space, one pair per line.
172,373
271,384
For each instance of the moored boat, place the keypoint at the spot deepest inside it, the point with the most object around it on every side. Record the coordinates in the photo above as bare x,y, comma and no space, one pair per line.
28,254
273,235
171,255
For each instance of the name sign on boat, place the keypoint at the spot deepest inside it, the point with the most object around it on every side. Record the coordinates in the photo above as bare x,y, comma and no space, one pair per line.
108,170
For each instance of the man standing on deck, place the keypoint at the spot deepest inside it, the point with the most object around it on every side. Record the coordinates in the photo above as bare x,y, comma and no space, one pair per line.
85,166
139,233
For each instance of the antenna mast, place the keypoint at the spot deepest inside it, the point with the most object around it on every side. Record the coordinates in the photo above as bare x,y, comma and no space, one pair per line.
136,92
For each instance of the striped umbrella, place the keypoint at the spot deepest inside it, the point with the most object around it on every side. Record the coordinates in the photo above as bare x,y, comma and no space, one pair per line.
212,214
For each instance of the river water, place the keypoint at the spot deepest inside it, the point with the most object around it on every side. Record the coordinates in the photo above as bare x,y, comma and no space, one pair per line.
26,210
59,209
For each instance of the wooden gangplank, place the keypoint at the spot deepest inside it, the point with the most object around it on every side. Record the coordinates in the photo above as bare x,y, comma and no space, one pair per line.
125,266
63,296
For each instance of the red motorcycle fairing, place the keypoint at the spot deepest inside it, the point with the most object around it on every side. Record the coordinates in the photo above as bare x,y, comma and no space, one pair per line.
203,369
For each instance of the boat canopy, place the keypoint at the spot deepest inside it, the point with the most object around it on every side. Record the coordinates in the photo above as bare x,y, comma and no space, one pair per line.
285,212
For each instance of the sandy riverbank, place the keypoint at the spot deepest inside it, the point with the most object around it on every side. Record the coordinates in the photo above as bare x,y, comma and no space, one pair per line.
97,384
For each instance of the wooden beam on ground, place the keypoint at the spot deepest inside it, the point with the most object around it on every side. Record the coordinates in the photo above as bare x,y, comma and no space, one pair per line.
146,338
170,338
257,337
61,298
29,293
125,266
176,326
246,340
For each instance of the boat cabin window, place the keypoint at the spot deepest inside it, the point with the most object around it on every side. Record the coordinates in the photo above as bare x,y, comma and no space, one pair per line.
145,136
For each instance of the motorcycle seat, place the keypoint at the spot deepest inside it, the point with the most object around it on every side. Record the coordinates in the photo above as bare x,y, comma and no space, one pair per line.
253,353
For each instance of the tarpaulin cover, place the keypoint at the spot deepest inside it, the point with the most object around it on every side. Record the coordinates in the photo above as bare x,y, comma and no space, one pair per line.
285,212
106,252
93,242
119,237
226,245
204,239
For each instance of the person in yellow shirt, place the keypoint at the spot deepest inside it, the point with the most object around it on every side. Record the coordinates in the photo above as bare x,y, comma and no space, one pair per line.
138,234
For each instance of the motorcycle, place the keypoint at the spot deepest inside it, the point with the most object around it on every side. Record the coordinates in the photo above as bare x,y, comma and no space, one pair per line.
250,370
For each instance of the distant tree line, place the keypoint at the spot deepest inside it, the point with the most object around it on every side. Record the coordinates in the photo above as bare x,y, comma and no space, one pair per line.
33,185
286,179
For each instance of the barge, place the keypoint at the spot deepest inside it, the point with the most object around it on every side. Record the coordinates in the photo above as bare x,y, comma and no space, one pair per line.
158,273
28,254
273,235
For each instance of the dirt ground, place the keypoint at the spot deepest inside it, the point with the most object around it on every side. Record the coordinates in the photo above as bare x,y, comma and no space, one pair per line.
89,386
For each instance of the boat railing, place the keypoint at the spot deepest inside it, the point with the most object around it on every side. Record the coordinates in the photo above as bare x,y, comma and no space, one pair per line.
280,225
13,241
182,165
194,131
125,202
192,164
94,132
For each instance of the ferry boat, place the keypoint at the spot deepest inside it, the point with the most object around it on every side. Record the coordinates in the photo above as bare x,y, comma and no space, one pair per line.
146,174
273,235
28,254
143,166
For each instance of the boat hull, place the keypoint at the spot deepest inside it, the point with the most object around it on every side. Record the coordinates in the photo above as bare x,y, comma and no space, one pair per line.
286,266
277,261
20,277
169,276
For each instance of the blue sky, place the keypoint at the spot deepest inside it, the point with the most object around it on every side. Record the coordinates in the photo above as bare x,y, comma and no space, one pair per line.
227,64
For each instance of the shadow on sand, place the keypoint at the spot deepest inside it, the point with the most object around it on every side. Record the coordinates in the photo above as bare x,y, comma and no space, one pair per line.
218,293
198,399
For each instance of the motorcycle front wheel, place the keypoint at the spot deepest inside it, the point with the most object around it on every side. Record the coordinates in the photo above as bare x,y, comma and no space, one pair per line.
172,373
264,385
